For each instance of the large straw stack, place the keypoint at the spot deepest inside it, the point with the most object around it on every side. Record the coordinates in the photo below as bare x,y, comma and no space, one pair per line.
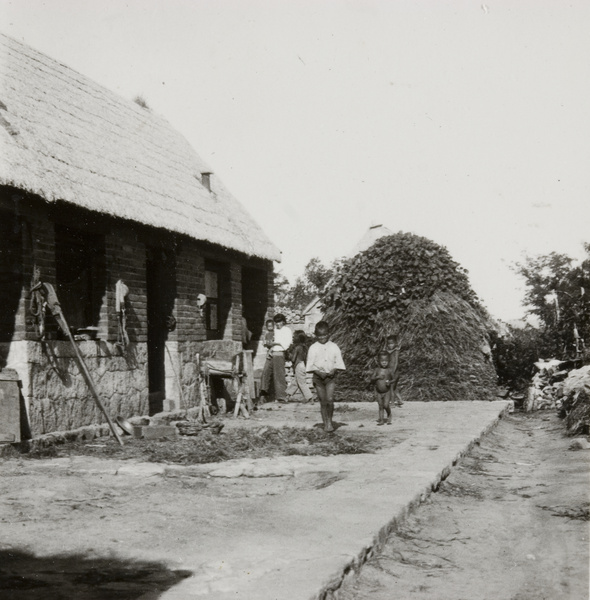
410,286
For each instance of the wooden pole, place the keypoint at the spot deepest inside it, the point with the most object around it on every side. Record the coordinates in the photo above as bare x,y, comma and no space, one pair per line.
55,309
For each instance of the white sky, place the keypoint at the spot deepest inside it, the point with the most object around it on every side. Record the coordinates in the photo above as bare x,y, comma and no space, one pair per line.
462,121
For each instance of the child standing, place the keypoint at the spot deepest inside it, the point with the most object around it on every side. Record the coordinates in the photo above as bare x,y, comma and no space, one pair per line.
392,347
382,377
324,360
298,359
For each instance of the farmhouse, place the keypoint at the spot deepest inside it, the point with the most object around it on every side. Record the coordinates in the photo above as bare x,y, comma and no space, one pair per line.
148,253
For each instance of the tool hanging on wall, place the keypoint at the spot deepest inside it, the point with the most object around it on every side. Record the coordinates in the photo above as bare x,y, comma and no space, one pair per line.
38,305
121,292
51,302
201,301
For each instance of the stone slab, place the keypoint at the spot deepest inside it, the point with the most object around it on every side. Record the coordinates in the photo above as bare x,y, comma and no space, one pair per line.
155,432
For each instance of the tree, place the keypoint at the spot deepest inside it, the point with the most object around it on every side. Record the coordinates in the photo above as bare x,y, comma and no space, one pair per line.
308,286
557,293
282,288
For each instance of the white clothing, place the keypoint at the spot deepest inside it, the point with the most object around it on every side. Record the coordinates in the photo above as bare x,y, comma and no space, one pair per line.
283,337
325,358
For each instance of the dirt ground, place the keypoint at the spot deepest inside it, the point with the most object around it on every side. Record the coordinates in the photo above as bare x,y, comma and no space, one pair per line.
510,522
69,512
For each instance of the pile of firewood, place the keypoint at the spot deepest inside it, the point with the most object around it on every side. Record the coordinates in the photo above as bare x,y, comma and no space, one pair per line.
546,387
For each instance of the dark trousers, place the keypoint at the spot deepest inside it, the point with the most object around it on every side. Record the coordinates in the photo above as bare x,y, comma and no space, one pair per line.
274,370
324,388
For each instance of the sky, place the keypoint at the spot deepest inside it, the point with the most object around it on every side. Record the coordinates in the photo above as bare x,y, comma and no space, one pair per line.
460,121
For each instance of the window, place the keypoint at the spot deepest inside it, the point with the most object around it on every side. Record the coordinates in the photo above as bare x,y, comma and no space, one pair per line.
218,292
212,306
80,275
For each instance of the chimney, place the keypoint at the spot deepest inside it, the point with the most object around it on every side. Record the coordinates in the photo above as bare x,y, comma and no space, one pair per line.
206,179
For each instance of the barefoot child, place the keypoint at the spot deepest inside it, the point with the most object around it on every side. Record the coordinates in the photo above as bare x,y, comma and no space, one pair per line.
324,360
392,348
382,377
298,358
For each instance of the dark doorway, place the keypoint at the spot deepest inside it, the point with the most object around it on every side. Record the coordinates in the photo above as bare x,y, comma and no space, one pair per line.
161,293
11,275
254,301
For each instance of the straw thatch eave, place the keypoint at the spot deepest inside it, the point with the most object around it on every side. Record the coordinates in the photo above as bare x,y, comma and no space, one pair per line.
64,137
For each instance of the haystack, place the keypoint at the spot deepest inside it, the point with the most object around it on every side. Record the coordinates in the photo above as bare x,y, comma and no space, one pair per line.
409,286
445,353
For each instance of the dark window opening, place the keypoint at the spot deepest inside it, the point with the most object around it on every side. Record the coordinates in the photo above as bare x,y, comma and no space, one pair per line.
80,276
218,294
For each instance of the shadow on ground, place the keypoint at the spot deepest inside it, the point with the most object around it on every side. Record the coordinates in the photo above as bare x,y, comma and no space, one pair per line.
24,576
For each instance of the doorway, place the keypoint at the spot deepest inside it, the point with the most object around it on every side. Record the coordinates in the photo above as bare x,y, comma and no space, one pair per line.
161,293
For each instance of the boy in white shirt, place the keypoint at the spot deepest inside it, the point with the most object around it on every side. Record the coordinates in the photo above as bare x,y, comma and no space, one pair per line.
324,360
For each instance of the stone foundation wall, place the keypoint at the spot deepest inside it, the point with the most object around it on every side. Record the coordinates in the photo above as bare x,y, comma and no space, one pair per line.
61,398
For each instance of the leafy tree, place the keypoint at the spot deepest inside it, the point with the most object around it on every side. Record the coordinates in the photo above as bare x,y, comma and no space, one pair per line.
310,285
282,288
515,354
558,293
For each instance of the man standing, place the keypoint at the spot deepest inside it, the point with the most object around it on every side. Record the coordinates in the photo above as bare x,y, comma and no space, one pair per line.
283,338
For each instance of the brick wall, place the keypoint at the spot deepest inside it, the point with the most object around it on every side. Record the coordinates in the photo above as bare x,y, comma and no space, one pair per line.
125,261
56,395
190,274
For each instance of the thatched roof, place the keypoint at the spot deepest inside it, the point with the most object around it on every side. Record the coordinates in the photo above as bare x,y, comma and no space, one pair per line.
64,137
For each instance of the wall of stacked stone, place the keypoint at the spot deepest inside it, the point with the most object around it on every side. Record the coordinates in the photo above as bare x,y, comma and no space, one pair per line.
61,398
189,372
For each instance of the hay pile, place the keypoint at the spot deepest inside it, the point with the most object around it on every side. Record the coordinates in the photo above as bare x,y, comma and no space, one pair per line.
445,354
409,286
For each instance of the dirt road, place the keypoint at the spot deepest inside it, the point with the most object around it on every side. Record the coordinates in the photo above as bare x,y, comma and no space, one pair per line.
510,522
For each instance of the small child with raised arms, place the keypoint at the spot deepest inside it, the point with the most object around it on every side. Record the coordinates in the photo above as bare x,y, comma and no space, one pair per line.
324,360
392,348
382,378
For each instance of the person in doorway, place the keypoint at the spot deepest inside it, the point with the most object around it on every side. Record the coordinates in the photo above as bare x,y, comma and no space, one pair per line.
324,360
268,340
298,359
283,339
382,378
246,333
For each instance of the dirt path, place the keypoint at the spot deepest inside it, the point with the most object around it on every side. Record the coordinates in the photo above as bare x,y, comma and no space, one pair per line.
510,522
